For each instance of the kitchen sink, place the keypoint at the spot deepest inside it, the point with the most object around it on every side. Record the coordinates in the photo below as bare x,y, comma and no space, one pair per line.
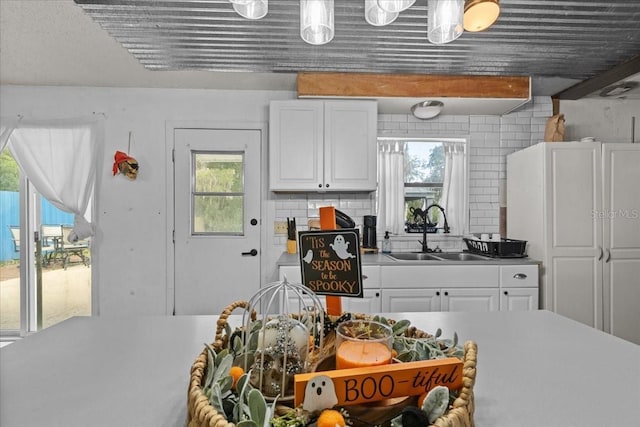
439,256
414,256
462,256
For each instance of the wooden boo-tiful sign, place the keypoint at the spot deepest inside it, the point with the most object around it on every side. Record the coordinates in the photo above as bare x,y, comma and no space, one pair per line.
330,262
360,385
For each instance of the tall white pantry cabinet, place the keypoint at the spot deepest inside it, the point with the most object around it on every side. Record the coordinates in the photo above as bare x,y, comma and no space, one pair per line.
578,206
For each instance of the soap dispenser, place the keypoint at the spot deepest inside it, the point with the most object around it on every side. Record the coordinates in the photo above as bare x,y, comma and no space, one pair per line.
386,243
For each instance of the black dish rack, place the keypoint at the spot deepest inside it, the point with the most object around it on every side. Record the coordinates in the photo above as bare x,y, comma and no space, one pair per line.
505,248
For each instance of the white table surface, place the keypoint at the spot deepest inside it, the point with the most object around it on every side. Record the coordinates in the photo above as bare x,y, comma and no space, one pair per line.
534,369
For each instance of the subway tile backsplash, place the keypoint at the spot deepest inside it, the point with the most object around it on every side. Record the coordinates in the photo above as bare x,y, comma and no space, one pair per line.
491,138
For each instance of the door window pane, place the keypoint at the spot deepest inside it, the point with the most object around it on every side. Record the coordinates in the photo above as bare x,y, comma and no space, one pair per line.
218,194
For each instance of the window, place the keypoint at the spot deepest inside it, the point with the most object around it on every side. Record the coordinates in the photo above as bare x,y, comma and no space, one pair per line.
416,173
218,193
423,178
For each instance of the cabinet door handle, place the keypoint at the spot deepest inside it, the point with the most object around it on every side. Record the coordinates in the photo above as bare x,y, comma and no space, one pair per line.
364,277
319,185
377,294
520,276
446,293
438,293
601,253
608,256
506,292
326,185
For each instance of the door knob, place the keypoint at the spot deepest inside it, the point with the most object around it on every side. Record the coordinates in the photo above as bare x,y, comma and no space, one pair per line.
253,221
252,252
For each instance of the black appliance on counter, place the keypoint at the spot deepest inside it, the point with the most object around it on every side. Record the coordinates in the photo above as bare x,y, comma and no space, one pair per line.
369,231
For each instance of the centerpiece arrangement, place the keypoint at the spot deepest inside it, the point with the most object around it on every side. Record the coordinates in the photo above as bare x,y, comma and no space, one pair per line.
294,365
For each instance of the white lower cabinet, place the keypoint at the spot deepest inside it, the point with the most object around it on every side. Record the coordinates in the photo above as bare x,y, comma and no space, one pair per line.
449,287
449,299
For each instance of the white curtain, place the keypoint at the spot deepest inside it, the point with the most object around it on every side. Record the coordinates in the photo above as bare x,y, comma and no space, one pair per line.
391,187
7,125
453,187
60,160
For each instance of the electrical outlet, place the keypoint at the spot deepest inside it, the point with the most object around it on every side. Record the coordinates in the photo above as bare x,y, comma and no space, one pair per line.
280,227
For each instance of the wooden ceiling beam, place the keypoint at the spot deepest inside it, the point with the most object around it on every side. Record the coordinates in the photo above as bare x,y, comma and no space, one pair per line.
311,84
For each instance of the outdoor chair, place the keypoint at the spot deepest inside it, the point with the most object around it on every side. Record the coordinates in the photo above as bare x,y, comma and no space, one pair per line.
15,236
51,240
78,248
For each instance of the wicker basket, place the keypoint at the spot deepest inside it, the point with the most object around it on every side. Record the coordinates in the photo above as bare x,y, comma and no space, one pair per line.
201,414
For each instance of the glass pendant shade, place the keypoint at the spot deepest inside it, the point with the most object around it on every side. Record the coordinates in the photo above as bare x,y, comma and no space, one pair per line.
445,20
480,14
377,16
395,6
251,9
316,21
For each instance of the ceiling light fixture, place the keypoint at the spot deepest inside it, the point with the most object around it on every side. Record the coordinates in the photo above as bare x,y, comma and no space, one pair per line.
427,109
316,21
395,6
377,16
444,20
251,9
480,14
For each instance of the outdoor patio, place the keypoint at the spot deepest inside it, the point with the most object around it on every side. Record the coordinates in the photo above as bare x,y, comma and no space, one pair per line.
66,293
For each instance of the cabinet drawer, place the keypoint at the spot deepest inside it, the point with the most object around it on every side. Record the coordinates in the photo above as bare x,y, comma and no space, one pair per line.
519,276
439,276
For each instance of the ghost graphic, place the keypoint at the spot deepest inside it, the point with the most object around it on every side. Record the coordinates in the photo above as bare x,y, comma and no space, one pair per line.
319,394
308,257
339,246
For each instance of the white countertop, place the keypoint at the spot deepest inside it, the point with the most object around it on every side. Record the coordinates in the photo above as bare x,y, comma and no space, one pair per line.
385,259
534,368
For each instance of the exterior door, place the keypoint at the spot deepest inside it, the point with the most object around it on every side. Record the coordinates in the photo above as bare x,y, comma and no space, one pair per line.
217,218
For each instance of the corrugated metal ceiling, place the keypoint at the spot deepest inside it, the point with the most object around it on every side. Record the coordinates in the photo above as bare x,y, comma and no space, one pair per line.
569,39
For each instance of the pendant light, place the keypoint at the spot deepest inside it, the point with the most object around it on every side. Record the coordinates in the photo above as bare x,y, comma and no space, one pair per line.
316,21
444,20
480,14
375,15
251,9
395,6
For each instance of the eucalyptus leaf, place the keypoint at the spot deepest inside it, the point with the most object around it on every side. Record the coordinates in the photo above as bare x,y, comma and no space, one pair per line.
400,326
438,333
211,368
226,383
436,403
216,398
221,355
257,407
223,367
236,345
247,423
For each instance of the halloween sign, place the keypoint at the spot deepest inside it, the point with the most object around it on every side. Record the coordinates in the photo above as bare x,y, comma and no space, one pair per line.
330,262
360,385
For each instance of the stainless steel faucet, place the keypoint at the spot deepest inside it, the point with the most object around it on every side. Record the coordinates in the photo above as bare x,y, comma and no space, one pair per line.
426,223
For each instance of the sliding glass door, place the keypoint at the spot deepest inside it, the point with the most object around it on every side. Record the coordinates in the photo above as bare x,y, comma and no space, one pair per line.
43,278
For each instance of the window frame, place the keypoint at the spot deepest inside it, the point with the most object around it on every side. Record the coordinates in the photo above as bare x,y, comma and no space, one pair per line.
450,140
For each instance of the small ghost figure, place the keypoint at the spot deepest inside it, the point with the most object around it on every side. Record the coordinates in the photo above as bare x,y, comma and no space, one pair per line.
308,257
319,394
126,165
283,346
340,247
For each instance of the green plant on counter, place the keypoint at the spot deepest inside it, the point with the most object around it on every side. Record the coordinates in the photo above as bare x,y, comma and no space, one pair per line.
410,349
247,408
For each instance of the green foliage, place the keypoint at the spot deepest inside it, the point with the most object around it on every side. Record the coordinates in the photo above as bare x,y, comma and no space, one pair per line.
9,173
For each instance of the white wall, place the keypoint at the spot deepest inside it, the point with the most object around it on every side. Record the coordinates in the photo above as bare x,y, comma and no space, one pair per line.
607,120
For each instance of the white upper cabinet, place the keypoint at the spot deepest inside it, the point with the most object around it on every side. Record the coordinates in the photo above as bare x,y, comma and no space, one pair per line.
319,145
